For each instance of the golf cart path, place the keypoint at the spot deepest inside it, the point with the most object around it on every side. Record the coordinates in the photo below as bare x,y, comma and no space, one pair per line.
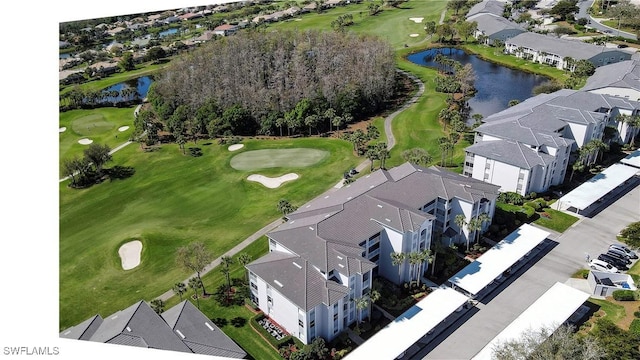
391,142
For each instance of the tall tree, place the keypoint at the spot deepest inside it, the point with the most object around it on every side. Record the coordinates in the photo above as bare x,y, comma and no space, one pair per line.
361,304
195,283
418,156
157,305
226,262
398,259
179,288
194,257
383,153
474,227
430,28
460,222
244,259
98,155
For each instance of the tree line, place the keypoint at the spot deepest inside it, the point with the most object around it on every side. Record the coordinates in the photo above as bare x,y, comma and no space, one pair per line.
268,83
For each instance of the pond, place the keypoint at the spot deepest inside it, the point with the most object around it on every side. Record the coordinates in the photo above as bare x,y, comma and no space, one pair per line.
140,85
167,32
496,85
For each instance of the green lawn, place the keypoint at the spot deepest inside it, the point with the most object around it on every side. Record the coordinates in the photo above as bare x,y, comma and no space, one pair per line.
392,24
612,311
245,336
171,200
557,220
100,125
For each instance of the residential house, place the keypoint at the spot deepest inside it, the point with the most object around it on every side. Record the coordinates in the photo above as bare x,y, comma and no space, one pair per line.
526,148
329,250
562,53
190,16
182,328
493,28
333,3
495,8
224,30
621,79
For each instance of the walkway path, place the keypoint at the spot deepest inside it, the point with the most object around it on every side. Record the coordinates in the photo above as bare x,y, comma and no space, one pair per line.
236,249
391,140
442,15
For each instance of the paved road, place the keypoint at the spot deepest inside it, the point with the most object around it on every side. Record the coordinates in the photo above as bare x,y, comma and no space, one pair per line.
584,13
565,254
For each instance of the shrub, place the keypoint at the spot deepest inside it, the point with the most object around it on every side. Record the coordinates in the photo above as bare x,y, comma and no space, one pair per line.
624,295
637,314
634,328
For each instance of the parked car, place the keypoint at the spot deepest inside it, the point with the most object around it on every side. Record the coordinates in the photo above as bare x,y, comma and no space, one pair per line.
618,255
600,265
621,265
630,253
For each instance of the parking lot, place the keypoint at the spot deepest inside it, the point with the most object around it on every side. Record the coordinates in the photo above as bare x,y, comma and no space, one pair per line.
567,254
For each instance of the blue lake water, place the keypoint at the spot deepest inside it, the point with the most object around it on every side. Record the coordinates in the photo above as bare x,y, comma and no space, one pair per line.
167,32
496,85
141,85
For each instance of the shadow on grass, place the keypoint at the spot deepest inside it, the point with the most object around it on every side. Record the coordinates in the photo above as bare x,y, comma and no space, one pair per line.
120,172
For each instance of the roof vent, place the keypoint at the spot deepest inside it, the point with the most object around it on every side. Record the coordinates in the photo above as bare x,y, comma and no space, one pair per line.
340,257
308,206
388,220
296,265
371,187
114,316
181,334
341,265
209,326
326,216
349,198
366,177
311,228
278,283
380,206
326,197
128,329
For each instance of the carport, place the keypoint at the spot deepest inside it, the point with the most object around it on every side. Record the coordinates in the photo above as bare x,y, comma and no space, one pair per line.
551,310
394,339
596,188
501,258
632,159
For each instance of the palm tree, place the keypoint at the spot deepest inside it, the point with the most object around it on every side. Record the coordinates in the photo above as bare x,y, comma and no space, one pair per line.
383,153
361,304
460,222
226,261
483,218
244,259
425,256
473,226
437,249
397,259
195,283
415,260
179,288
374,295
372,154
157,305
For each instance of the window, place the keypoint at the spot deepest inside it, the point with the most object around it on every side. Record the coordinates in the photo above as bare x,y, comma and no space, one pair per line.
365,277
312,323
254,286
301,323
269,300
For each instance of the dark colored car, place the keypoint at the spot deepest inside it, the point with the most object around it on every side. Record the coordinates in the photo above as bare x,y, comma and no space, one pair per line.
619,256
613,261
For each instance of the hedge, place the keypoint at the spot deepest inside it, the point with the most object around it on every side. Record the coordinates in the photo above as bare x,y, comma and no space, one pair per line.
624,295
634,328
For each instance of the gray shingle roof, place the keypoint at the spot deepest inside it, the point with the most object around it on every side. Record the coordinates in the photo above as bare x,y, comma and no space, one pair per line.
201,335
84,330
138,325
573,48
490,24
625,74
510,152
297,280
487,7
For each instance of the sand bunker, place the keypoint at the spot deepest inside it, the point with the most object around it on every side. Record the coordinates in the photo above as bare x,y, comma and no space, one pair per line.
123,128
414,35
85,141
272,183
417,20
130,254
235,147
62,129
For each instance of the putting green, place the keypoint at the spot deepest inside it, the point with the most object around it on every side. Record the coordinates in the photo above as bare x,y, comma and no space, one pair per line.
272,158
91,124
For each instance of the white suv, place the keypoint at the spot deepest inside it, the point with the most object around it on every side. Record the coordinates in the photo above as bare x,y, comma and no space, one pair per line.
600,265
